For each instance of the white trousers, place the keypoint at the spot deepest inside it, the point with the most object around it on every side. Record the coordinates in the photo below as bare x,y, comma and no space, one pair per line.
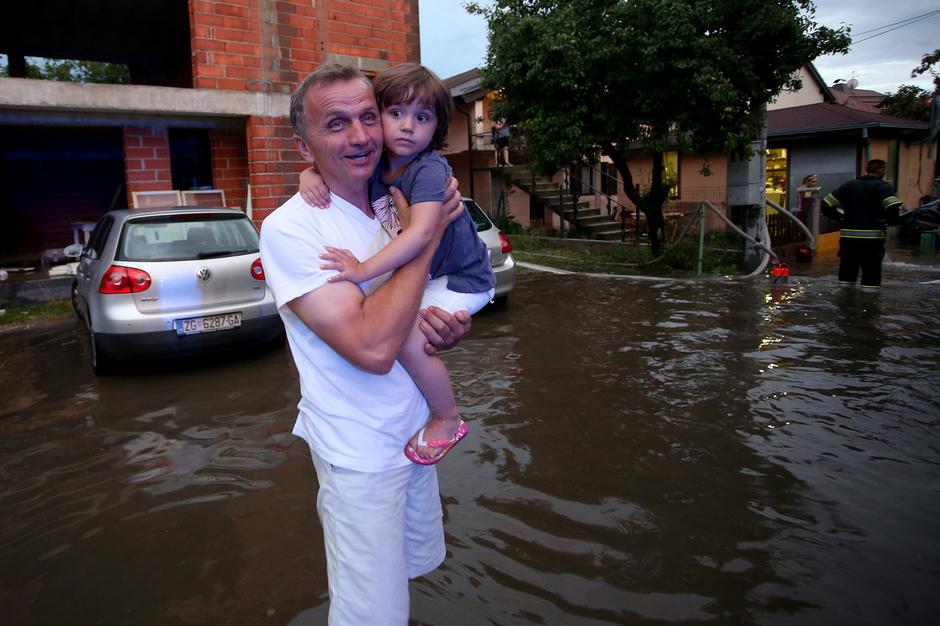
380,530
437,293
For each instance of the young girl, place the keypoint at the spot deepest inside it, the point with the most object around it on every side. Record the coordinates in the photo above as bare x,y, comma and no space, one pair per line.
416,110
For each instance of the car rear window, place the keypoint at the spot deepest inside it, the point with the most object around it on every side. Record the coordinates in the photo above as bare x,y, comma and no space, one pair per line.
187,237
478,216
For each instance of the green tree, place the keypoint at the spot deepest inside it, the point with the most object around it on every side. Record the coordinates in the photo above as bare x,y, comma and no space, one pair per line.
84,71
618,75
927,65
909,101
70,70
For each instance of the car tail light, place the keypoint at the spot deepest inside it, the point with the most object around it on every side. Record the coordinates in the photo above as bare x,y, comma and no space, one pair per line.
504,243
257,271
120,279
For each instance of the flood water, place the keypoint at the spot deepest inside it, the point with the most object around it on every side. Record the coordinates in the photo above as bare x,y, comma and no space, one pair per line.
641,452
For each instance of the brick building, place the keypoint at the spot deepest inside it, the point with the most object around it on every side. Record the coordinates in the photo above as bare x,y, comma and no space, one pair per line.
206,105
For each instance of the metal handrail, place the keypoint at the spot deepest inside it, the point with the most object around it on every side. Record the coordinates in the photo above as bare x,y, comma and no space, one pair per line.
770,253
595,190
623,209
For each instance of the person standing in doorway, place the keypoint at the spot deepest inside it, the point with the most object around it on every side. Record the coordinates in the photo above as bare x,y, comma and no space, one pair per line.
865,206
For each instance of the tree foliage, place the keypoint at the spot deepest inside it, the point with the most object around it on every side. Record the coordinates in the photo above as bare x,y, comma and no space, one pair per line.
70,70
927,65
909,101
577,75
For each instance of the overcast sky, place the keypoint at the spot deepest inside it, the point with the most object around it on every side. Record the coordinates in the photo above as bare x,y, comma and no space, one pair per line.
885,47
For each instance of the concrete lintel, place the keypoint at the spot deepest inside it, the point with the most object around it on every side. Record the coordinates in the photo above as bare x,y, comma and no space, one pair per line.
52,117
66,97
363,63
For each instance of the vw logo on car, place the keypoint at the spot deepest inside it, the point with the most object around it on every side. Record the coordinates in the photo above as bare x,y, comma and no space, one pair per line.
204,274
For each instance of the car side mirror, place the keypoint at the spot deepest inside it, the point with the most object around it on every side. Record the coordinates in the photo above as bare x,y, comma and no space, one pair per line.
73,251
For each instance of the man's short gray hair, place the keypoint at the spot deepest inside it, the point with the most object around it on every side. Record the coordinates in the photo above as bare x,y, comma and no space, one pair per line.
326,74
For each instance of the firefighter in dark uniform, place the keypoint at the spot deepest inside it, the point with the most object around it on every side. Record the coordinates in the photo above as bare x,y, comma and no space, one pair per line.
866,206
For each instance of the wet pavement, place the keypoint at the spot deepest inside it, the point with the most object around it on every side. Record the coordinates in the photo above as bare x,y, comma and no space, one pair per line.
641,452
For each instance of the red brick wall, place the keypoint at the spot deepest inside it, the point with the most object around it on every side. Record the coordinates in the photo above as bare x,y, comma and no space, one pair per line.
269,46
226,42
373,29
273,164
146,160
230,165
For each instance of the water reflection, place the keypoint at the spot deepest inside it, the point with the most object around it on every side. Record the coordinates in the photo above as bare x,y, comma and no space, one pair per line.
640,452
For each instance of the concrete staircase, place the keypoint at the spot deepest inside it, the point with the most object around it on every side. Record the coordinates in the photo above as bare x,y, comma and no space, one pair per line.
591,223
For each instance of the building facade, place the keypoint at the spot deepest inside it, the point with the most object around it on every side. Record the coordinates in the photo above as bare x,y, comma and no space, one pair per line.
205,107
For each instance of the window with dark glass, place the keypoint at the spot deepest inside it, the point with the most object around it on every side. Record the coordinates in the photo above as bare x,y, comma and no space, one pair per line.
608,179
190,158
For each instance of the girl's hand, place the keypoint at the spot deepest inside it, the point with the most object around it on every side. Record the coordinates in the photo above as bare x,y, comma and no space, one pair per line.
345,262
313,190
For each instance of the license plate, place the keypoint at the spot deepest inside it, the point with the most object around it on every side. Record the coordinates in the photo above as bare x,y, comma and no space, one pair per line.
208,324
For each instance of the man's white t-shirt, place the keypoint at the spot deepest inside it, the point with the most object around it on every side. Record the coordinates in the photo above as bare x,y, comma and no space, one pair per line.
349,417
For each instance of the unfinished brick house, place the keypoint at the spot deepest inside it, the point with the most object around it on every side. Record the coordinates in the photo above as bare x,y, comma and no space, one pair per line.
206,107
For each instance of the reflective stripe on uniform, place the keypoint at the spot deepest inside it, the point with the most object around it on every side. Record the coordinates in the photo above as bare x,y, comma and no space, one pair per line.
849,233
890,201
832,201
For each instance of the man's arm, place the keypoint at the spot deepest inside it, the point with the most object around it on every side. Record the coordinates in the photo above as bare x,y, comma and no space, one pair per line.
831,205
368,331
892,205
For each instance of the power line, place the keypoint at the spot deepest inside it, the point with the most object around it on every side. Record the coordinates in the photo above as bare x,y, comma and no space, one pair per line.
896,26
916,17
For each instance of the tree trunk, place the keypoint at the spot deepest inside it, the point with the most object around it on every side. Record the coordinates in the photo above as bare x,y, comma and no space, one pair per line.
650,203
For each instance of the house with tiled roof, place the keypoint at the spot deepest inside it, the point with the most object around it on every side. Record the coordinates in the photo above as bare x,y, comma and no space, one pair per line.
834,138
830,131
848,93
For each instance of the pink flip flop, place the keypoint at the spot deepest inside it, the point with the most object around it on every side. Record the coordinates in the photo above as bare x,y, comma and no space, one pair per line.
445,444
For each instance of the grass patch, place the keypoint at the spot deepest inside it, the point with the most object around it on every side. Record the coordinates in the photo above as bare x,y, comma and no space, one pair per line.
26,313
720,256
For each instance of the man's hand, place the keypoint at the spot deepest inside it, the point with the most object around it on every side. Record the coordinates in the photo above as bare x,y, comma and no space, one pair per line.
451,208
453,205
442,329
402,208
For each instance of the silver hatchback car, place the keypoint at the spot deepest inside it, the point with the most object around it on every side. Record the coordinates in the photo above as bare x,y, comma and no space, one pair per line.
172,282
499,248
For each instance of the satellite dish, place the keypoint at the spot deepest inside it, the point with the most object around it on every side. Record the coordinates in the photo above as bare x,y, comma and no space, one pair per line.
853,83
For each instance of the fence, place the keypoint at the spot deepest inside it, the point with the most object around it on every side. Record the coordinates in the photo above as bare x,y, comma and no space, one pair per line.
680,210
782,229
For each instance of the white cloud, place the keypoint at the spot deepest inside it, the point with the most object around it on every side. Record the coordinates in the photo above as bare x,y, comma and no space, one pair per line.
881,62
452,40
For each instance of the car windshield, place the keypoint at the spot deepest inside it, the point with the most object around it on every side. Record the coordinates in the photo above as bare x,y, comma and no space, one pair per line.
187,237
480,219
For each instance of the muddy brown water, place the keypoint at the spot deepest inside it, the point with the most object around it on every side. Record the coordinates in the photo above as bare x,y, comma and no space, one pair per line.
641,452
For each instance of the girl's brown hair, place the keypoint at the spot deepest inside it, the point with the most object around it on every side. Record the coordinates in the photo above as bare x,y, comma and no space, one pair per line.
410,82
